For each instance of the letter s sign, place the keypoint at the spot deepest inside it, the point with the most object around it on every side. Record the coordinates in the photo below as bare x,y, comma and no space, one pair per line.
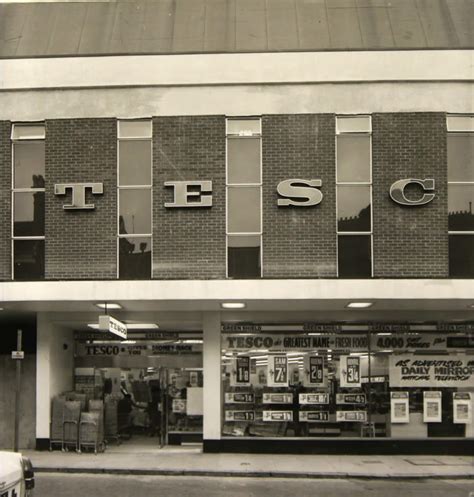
397,191
299,189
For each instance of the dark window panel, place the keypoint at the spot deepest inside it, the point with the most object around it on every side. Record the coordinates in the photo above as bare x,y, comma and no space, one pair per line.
28,259
353,208
354,256
28,214
460,207
243,257
461,256
29,164
134,258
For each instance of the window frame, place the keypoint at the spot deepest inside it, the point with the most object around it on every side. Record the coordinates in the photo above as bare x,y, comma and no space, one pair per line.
368,132
15,140
242,136
148,188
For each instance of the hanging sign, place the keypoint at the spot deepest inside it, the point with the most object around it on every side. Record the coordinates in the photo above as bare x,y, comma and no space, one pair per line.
355,416
350,398
350,371
399,409
432,407
462,408
277,398
240,373
313,416
239,398
314,398
277,416
112,325
277,371
431,371
240,416
314,372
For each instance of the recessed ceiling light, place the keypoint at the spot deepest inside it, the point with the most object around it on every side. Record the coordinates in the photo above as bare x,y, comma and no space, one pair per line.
108,305
141,326
359,305
233,305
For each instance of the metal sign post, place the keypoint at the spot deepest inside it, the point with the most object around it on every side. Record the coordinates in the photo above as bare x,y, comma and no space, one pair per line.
18,356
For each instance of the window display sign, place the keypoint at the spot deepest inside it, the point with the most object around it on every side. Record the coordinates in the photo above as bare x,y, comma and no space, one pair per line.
399,410
240,374
277,371
179,406
240,416
313,416
314,398
239,398
350,398
432,407
462,408
350,371
277,416
431,371
314,371
356,416
277,398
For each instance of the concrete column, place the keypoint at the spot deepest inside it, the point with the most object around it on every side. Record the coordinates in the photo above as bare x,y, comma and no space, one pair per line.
212,396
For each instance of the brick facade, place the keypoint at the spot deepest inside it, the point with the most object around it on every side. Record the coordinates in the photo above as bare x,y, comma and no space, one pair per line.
409,242
189,243
299,242
81,244
5,200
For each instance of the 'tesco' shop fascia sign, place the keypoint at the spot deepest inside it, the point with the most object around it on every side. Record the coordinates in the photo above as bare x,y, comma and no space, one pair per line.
292,192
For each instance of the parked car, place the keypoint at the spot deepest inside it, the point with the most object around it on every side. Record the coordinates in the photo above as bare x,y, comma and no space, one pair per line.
17,478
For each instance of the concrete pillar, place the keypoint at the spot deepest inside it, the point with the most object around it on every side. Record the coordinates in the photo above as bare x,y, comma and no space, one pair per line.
212,396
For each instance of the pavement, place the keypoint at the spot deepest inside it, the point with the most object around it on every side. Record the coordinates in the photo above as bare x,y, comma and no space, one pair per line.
136,458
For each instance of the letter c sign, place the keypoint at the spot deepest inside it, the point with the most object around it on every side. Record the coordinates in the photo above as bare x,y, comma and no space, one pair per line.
397,191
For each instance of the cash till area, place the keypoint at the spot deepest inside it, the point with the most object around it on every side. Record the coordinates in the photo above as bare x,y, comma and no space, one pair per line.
282,390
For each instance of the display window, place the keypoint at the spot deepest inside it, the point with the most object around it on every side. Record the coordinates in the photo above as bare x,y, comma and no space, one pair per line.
349,382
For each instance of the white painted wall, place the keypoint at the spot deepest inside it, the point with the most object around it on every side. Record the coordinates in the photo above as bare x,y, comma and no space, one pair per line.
212,396
54,368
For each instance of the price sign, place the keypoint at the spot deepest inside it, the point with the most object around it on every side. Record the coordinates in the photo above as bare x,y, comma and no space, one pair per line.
350,371
350,398
277,416
277,398
313,416
314,398
239,398
240,416
314,369
240,375
277,371
355,416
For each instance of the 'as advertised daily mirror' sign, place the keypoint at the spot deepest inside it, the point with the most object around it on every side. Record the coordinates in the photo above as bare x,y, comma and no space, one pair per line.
431,371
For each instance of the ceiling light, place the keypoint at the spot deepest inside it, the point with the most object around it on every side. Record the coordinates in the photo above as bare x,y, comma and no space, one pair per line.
141,326
359,305
383,334
94,326
108,305
233,305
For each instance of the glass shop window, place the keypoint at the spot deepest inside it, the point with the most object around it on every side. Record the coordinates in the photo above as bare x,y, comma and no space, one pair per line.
135,199
354,196
461,195
244,198
28,201
344,383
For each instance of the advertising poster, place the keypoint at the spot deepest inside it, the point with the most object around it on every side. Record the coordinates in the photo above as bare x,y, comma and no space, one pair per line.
277,416
314,371
462,408
194,378
179,406
277,371
277,398
432,407
239,398
354,416
240,373
399,408
240,416
314,398
431,371
350,371
313,416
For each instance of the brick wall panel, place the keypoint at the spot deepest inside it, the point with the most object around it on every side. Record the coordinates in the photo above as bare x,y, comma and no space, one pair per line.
409,242
81,244
299,242
188,243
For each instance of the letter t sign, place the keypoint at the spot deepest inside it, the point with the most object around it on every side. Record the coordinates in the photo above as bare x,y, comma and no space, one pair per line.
78,194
